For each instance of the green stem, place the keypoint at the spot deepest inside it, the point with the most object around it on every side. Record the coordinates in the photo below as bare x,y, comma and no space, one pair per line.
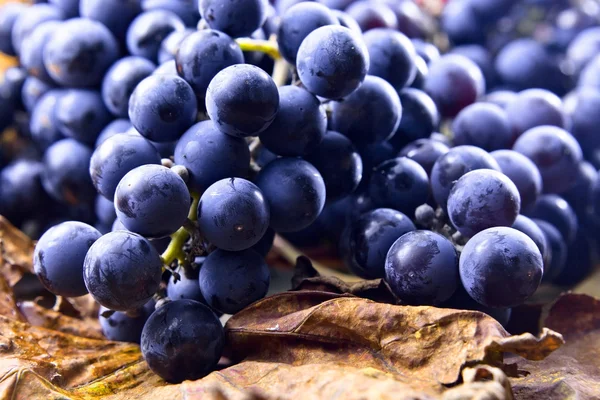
268,47
175,249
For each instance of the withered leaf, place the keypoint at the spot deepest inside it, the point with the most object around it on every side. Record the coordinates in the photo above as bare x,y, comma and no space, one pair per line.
16,251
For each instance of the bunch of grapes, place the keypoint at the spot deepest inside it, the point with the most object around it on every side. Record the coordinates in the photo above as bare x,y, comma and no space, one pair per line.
162,144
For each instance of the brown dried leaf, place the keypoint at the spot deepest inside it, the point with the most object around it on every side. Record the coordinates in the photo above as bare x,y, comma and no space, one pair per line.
16,250
52,319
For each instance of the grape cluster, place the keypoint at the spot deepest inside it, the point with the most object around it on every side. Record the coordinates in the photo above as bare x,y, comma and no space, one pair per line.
161,145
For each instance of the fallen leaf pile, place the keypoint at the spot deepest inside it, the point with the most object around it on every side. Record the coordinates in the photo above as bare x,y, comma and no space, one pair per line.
326,339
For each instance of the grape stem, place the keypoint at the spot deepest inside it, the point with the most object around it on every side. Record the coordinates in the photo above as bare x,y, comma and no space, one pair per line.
270,48
175,249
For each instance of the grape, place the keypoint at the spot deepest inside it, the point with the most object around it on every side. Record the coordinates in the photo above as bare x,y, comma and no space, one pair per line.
26,22
392,57
339,164
421,268
366,240
182,340
555,152
461,24
482,57
557,249
81,115
372,15
9,12
79,53
12,85
70,8
120,81
125,327
147,31
233,214
584,121
264,245
152,200
297,22
66,176
210,155
122,270
231,281
114,128
427,51
483,125
43,124
59,255
421,74
585,46
578,196
115,157
346,20
105,210
420,116
32,50
33,89
534,107
453,83
167,68
372,155
440,137
328,73
21,189
524,174
399,183
295,192
187,10
425,152
371,114
588,78
461,300
236,17
483,199
535,233
412,21
579,261
555,210
170,46
186,287
202,55
501,98
454,164
298,127
499,258
242,100
104,11
162,107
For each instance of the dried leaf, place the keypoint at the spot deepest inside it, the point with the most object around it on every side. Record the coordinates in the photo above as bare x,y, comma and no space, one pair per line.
16,250
51,319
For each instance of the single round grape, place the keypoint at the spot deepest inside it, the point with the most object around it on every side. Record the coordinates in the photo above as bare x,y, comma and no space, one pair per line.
120,81
347,21
332,74
32,50
421,268
186,287
182,340
147,31
210,155
187,10
22,193
420,117
70,8
555,152
428,51
152,200
524,174
483,199
373,155
421,75
535,233
66,177
370,114
33,89
534,107
392,56
9,12
236,17
399,183
453,83
555,210
583,48
162,107
584,119
454,164
59,254
104,11
372,15
125,327
233,214
459,21
578,196
116,127
202,55
557,248
481,56
231,281
115,157
499,258
501,98
43,124
122,270
295,191
79,53
299,126
483,125
105,210
26,22
167,68
81,115
297,22
242,100
170,46
367,239
425,152
339,164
